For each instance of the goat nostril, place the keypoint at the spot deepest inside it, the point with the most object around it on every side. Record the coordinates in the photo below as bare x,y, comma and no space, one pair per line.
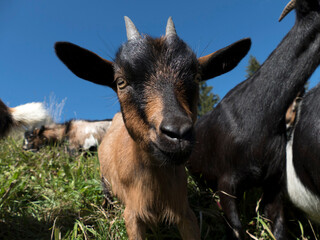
169,131
176,131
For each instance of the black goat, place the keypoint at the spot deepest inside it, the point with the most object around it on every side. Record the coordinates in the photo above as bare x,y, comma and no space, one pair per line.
242,143
303,152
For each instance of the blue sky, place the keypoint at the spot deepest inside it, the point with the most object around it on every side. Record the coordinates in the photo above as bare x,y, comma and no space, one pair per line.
30,71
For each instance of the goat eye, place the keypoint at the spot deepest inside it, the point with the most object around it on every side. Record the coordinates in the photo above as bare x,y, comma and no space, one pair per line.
122,83
198,78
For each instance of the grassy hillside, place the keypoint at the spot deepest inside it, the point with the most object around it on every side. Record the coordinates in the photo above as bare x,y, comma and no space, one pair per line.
51,195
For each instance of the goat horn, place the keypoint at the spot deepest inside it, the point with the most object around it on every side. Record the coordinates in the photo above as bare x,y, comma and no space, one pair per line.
170,29
132,31
290,6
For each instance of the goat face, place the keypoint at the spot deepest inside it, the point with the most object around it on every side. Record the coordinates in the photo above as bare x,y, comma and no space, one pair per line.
34,139
156,81
157,86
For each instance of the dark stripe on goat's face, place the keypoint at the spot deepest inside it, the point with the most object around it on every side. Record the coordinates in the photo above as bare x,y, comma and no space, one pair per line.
160,95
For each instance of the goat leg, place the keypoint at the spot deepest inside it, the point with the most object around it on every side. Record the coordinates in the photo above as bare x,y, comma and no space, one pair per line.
188,226
273,210
106,187
136,228
228,203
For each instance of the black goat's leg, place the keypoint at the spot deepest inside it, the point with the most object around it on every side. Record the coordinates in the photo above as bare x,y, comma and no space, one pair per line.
229,202
273,210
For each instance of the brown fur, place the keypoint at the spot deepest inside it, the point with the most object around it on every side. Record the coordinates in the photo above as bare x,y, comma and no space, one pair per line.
54,132
292,112
153,110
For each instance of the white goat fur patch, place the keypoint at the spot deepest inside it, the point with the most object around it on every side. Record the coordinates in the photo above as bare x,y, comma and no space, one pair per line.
302,197
88,134
90,129
31,114
90,142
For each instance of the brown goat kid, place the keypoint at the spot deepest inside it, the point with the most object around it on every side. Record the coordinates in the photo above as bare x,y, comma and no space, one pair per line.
143,154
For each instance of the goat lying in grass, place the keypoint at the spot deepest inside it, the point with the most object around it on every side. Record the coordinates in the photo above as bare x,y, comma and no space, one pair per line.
24,116
143,154
241,144
80,134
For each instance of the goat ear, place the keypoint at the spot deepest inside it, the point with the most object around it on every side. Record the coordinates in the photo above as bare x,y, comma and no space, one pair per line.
86,64
224,60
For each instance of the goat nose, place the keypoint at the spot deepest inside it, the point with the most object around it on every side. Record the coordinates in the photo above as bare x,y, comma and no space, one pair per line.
176,128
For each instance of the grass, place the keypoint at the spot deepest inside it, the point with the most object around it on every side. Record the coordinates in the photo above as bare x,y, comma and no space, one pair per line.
51,195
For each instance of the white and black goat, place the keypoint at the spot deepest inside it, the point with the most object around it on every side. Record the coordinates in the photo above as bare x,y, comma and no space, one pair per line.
80,135
24,116
143,154
303,157
242,143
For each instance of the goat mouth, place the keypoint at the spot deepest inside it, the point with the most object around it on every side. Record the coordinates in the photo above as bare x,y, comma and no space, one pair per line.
175,156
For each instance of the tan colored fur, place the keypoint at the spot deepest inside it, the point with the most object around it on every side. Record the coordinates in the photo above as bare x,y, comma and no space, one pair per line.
291,115
134,123
151,193
54,132
153,110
